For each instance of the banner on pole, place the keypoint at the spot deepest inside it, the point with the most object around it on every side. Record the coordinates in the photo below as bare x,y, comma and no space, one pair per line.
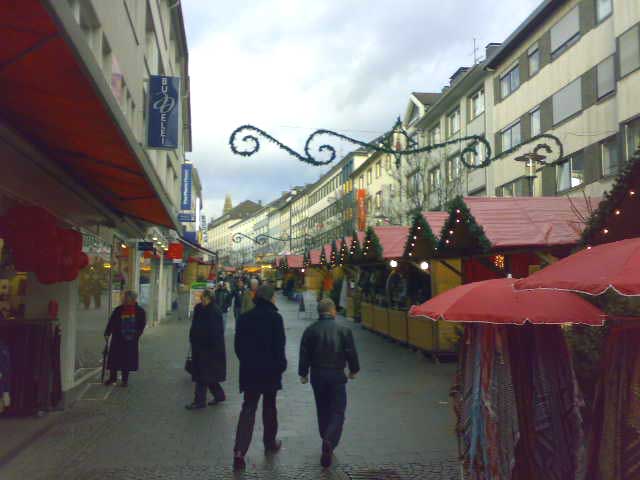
362,211
164,112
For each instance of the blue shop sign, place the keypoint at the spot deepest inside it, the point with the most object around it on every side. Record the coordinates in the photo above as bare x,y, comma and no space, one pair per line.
187,217
186,187
164,112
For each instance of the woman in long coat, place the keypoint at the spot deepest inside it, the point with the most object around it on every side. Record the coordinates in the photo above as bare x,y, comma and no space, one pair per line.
209,358
125,327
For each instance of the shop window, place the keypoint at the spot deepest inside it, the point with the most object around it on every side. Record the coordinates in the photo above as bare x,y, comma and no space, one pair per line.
566,32
510,82
629,49
536,128
511,136
570,173
603,9
567,102
534,60
610,157
605,77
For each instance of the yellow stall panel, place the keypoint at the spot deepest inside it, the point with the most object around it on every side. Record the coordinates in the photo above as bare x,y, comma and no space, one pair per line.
421,333
398,325
367,314
380,320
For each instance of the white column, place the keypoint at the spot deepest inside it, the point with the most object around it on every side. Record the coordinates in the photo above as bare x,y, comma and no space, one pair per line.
37,303
134,268
161,289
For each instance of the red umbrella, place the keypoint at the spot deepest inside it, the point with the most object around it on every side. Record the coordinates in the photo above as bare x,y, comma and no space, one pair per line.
495,301
593,271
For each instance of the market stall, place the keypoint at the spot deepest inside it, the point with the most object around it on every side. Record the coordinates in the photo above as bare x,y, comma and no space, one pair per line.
516,399
606,272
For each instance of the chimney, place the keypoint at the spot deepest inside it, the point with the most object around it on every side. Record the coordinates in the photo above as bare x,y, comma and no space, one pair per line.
491,49
457,75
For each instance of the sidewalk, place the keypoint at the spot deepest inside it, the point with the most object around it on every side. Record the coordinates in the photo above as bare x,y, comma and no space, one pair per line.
399,423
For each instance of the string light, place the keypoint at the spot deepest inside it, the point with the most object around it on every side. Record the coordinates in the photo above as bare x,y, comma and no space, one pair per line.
617,212
632,192
450,232
605,230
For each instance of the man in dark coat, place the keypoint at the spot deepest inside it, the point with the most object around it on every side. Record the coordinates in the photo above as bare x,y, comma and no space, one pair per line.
223,300
260,347
125,327
238,293
327,348
208,354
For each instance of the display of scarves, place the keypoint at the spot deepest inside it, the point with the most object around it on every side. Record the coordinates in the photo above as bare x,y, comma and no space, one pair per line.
558,446
488,419
614,443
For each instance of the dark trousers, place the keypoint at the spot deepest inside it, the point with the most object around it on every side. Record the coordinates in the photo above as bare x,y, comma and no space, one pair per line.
330,391
248,418
201,393
113,375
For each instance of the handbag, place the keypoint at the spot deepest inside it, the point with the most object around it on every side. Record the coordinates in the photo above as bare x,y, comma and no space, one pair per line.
188,364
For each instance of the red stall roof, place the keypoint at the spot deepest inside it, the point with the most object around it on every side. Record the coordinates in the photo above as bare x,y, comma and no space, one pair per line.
63,105
392,240
531,221
436,221
295,261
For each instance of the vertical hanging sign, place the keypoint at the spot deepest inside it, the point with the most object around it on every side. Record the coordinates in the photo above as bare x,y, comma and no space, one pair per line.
186,186
164,112
362,211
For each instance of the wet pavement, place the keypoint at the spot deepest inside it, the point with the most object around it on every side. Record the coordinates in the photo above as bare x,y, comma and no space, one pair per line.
399,422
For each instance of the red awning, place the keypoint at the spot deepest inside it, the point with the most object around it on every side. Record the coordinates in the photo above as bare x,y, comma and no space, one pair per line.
530,221
392,240
49,97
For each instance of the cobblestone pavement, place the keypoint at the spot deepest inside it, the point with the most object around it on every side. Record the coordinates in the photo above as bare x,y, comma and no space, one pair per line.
399,423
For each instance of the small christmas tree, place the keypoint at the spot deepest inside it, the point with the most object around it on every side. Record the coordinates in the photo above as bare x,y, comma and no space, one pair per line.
355,252
461,233
344,252
372,251
421,242
323,257
334,254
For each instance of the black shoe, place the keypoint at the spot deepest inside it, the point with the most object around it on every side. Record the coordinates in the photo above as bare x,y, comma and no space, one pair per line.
274,447
110,382
195,406
327,454
215,401
238,463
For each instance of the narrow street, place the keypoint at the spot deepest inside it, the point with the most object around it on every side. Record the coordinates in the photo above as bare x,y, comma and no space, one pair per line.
399,421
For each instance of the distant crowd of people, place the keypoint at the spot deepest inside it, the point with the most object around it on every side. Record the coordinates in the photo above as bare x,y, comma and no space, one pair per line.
326,349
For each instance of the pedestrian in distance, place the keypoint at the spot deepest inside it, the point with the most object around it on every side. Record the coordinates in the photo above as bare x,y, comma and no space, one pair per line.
125,327
238,293
260,347
248,297
326,349
223,299
208,353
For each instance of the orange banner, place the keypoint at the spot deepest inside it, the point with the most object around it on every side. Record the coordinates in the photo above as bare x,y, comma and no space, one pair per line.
362,211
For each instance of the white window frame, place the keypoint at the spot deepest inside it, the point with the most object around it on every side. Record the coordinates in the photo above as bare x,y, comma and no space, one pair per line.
435,135
602,17
509,77
559,165
435,178
533,112
609,60
476,99
533,50
634,32
509,130
452,119
603,145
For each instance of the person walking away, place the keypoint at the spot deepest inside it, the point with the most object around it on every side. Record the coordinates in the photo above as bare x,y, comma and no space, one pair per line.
208,353
223,301
125,327
248,297
260,347
238,293
326,349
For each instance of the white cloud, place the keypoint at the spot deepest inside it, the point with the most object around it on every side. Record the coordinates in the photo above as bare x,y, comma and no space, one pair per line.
336,64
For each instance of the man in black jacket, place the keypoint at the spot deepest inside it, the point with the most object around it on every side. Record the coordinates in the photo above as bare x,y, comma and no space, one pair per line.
260,347
326,349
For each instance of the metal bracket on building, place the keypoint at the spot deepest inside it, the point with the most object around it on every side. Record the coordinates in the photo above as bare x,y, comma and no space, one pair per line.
249,136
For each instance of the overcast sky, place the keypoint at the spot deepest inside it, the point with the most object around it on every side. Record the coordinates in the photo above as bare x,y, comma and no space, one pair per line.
292,66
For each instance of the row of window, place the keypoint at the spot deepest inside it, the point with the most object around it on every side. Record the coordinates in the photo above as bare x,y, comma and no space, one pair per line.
325,190
564,34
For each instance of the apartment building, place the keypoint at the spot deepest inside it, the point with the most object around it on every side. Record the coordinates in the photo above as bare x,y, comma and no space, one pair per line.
572,69
129,41
375,184
220,230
